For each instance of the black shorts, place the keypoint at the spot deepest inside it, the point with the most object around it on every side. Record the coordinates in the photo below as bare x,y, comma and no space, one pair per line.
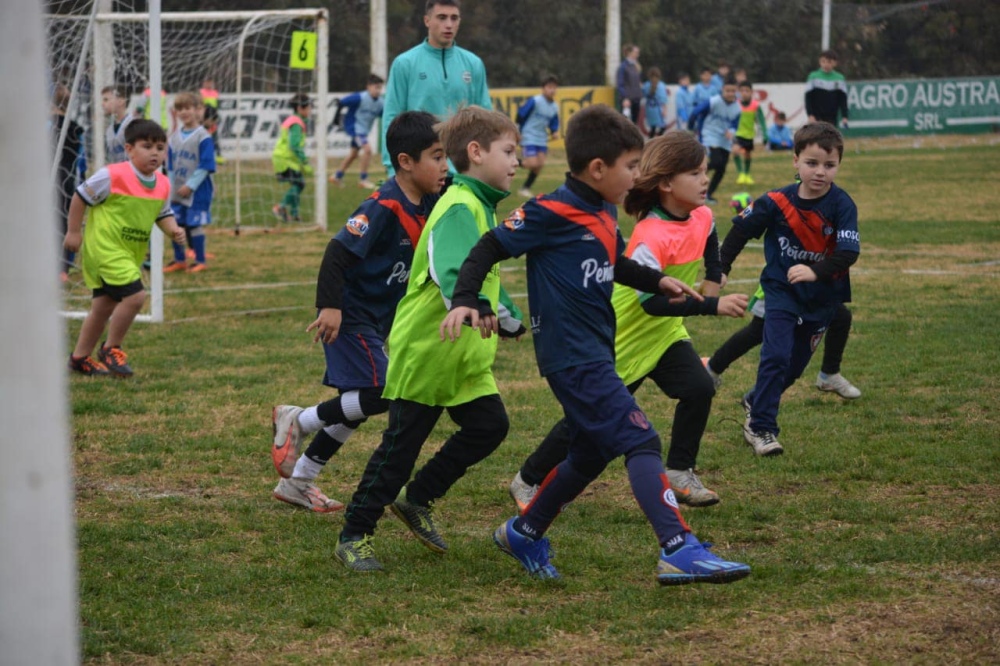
745,144
119,292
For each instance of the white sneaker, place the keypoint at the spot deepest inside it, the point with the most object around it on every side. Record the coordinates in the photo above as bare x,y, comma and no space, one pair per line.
716,377
287,440
367,184
839,385
522,493
304,493
763,443
689,490
525,192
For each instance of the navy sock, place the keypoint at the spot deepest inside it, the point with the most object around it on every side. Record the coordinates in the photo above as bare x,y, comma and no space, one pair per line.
198,245
652,491
560,487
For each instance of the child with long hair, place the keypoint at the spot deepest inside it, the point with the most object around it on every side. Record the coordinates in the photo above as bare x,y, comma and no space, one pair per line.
676,235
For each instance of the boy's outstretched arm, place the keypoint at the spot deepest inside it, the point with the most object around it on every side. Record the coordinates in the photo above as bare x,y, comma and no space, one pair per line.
465,302
633,274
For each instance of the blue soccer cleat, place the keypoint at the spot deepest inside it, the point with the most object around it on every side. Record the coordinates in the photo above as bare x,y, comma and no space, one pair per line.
533,554
693,563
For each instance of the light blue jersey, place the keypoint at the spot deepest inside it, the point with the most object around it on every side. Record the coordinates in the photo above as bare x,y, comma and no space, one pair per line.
656,102
362,110
190,160
685,104
536,118
114,141
701,93
719,119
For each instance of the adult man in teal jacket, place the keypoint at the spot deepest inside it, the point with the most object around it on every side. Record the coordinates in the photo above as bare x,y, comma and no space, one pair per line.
436,75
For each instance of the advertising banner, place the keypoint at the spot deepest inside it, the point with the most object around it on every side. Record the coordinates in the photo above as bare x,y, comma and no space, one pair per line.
879,108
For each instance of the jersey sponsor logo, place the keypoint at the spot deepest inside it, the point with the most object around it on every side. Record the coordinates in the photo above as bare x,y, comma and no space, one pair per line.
515,220
422,76
797,253
400,274
131,234
588,236
599,273
467,76
358,225
639,419
848,235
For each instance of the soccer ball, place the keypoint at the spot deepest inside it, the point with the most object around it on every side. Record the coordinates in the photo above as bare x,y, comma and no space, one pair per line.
740,201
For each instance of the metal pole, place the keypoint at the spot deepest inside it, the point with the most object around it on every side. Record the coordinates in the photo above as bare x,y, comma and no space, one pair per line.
378,27
613,40
155,112
320,126
38,584
825,42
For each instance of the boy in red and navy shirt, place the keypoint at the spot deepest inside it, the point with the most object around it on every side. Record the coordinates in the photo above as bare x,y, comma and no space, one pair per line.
811,241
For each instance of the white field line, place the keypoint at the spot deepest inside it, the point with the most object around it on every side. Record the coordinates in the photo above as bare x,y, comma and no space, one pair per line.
520,268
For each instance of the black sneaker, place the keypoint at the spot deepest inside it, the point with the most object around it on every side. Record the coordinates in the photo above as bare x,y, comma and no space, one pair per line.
420,522
87,366
116,361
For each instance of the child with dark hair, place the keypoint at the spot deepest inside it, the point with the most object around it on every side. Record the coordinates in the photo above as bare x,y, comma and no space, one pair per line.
363,109
655,93
574,256
125,200
675,234
363,276
289,158
811,240
538,118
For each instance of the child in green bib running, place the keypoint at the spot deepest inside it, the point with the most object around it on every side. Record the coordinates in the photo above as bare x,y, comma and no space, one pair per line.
425,377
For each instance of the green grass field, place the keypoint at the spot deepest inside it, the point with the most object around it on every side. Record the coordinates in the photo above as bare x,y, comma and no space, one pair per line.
874,539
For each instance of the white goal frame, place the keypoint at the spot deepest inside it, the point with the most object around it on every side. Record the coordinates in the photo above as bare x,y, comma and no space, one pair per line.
103,75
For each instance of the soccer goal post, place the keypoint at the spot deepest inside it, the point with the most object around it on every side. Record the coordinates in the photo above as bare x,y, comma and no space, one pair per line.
255,60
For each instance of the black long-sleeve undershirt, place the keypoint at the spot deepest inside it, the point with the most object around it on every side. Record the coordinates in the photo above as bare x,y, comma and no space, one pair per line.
337,261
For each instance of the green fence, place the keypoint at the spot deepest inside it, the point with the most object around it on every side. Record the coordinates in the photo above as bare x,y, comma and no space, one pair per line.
924,106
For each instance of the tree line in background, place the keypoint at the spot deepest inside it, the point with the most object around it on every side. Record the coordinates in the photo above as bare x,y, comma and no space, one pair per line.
774,40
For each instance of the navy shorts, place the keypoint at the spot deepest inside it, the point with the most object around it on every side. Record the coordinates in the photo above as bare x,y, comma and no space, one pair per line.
532,151
604,419
359,141
355,361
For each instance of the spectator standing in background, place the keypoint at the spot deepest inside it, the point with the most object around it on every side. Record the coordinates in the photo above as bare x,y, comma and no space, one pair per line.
628,82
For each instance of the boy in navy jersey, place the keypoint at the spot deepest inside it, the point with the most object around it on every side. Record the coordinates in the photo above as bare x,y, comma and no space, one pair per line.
811,241
574,255
361,281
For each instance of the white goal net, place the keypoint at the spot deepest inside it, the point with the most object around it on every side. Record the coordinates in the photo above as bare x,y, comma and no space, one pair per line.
255,60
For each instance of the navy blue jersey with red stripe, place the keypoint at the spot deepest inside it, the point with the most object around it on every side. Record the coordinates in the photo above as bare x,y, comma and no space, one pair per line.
802,231
383,233
571,248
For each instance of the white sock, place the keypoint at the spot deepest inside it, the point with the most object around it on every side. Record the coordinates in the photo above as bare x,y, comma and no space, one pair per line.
339,432
306,468
309,420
